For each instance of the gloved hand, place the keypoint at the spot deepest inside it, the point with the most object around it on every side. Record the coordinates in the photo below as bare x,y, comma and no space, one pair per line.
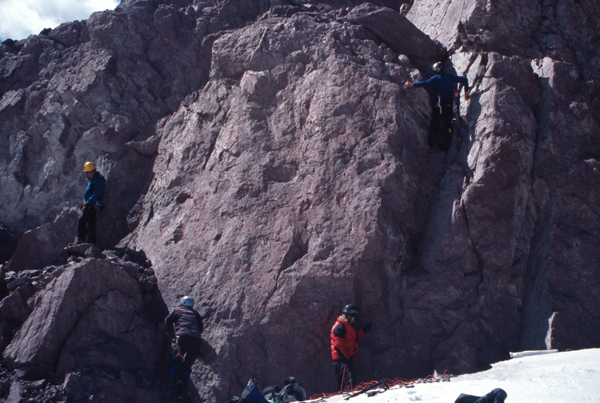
367,328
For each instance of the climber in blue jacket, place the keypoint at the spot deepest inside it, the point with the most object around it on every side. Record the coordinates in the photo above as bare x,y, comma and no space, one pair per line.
92,204
441,132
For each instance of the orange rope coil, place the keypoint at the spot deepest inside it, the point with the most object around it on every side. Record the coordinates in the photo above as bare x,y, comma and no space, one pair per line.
445,377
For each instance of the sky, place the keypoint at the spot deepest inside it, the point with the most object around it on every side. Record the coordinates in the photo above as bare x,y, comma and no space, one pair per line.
21,18
562,377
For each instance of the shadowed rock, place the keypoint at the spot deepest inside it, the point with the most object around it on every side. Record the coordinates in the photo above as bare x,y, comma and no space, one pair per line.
8,243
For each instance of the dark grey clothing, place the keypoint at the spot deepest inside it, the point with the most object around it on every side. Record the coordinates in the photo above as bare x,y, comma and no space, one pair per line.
189,348
495,396
86,225
345,375
187,321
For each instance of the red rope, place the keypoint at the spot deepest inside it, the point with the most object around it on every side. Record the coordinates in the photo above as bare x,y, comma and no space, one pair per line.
445,377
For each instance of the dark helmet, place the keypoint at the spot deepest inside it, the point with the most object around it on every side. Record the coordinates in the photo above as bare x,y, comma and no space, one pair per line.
351,310
438,67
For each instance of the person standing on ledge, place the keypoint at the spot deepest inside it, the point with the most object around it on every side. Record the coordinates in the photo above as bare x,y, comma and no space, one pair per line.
345,335
441,131
92,204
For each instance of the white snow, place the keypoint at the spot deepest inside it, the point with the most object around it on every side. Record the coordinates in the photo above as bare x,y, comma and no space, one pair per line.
564,377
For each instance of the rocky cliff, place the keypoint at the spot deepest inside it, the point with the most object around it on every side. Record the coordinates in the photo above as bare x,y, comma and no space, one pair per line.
268,160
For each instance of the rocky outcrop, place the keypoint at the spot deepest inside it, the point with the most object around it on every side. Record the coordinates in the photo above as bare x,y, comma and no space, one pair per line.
93,322
284,176
70,307
268,159
94,90
531,139
44,246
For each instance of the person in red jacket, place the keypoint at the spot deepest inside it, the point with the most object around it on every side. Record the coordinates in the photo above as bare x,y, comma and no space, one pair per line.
345,335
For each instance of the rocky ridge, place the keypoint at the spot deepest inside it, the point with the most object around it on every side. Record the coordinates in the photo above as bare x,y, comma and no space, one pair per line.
268,160
88,329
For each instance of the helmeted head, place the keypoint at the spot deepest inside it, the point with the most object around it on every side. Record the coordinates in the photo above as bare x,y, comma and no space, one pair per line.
438,67
89,167
187,301
351,310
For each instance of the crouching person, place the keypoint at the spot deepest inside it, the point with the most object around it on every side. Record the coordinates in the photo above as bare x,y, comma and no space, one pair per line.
186,345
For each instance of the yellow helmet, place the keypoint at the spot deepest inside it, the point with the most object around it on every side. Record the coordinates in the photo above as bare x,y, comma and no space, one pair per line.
438,67
89,167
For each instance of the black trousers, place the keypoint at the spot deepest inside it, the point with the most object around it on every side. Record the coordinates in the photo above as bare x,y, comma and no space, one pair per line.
86,226
189,348
442,127
185,351
345,375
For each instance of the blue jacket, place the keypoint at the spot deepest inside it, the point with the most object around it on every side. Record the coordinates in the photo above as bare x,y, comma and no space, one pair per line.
444,84
94,190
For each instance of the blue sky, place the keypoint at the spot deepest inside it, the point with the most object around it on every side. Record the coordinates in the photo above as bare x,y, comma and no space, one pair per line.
21,18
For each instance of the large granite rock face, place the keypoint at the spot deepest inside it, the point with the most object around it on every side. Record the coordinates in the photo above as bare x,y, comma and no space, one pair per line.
268,159
278,194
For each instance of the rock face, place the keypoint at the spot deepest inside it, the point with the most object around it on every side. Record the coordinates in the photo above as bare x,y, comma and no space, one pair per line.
8,243
44,245
89,322
269,161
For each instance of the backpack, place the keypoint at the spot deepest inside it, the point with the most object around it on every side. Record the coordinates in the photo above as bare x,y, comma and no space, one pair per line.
291,392
249,395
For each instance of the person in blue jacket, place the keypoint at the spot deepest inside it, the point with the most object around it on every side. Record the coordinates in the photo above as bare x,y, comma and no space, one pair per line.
92,203
441,132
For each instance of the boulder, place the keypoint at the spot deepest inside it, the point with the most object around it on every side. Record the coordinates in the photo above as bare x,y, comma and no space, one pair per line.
14,310
43,246
84,250
88,316
397,32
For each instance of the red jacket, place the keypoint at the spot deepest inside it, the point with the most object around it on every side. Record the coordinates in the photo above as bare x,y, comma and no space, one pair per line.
344,340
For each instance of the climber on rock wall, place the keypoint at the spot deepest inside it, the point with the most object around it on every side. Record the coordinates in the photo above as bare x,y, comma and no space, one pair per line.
441,130
186,345
92,204
345,335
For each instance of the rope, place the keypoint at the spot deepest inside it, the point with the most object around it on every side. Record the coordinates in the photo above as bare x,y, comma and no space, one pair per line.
445,377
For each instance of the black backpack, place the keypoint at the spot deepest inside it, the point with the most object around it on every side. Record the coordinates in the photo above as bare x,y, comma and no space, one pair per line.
291,392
